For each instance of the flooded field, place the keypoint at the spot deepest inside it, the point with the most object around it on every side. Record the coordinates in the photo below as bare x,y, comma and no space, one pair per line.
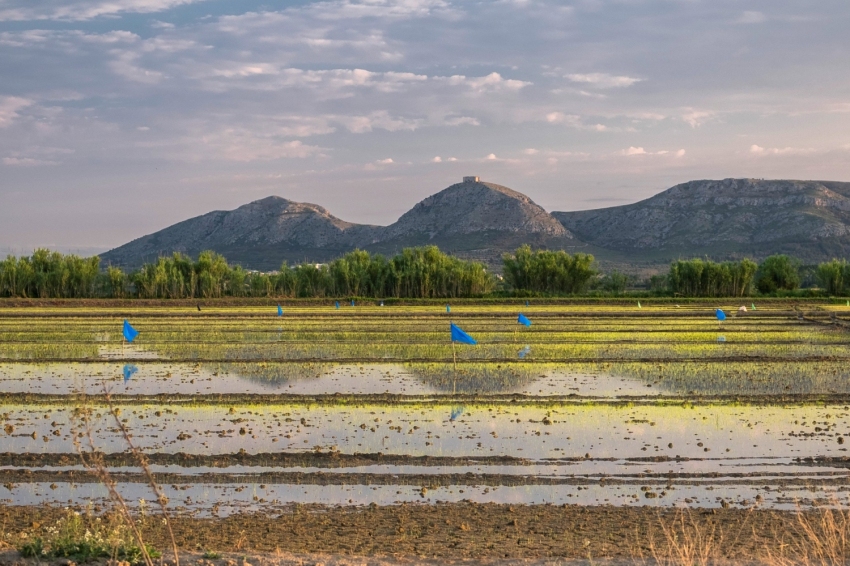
239,409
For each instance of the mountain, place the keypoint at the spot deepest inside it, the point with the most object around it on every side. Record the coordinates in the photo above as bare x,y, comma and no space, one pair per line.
725,219
261,234
472,219
475,219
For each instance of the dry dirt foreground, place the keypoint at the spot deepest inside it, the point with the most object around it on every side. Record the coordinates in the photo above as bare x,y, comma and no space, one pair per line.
458,533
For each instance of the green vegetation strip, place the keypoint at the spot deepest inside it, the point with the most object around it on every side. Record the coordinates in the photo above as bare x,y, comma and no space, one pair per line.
421,401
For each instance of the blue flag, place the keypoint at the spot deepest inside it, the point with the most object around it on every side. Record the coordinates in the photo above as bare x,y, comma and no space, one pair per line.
352,302
522,319
279,311
720,314
129,370
721,339
448,308
336,303
526,303
459,335
524,352
130,333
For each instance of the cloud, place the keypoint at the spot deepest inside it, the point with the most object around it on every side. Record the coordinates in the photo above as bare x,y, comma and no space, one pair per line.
245,145
386,161
758,150
530,151
494,82
632,150
26,162
561,118
461,121
492,157
380,120
9,107
437,159
603,80
751,17
696,118
24,10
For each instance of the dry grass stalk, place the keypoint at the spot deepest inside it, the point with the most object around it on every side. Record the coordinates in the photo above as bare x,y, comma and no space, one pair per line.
161,499
93,461
686,541
821,537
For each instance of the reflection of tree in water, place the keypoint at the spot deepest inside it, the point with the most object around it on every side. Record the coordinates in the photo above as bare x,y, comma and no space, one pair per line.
274,374
477,378
744,378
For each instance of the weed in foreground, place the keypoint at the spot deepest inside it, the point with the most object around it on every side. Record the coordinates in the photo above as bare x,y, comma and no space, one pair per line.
93,461
83,537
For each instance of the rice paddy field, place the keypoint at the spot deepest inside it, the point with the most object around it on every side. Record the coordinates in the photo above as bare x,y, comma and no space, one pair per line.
242,413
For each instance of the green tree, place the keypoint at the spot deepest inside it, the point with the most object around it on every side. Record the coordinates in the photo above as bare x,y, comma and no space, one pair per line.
778,272
834,276
544,271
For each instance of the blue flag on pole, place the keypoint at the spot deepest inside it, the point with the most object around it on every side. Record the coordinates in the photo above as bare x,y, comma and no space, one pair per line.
448,308
526,303
130,333
459,335
522,319
279,311
720,314
352,302
336,303
129,370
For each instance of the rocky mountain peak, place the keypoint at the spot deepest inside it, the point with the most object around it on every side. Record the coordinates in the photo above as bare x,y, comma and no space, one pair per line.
475,206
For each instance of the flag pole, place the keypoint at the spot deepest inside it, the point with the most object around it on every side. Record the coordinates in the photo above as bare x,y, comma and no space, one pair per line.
454,354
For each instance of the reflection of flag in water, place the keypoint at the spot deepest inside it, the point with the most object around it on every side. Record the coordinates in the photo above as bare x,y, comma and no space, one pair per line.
279,311
336,303
448,308
459,335
130,333
522,319
720,314
524,352
456,412
129,370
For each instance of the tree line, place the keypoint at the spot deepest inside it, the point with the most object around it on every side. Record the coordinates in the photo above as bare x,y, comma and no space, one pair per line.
423,272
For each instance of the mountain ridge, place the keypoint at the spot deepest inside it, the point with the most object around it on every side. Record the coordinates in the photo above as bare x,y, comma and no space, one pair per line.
722,219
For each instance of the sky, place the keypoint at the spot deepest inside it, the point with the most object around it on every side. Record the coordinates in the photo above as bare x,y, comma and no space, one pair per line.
121,117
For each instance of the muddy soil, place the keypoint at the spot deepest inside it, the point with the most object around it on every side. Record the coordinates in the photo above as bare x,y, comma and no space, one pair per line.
452,531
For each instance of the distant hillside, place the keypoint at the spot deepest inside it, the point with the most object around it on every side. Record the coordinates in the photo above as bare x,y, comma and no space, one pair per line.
261,235
472,219
724,219
475,220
